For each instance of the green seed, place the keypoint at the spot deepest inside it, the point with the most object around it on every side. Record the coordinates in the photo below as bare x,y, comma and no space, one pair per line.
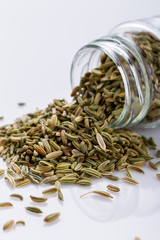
2,171
52,217
92,172
113,188
50,191
8,225
38,199
33,209
15,195
101,193
6,204
20,223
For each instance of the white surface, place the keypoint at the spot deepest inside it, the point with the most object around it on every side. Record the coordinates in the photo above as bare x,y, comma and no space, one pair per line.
38,40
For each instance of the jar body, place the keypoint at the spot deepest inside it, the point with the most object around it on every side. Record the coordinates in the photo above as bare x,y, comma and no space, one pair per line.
135,49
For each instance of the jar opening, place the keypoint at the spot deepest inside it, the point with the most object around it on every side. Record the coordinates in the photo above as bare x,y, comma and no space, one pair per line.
88,58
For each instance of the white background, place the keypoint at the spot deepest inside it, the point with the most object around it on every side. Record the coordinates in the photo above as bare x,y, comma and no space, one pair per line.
38,40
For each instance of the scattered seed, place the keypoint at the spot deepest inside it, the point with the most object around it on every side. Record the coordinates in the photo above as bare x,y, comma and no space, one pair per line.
50,191
6,204
10,180
111,177
135,168
21,104
113,188
20,223
15,195
23,183
2,171
34,209
153,166
8,225
38,199
60,195
129,180
51,217
101,193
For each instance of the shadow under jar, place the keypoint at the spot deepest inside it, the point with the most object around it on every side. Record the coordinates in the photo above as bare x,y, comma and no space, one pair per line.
122,71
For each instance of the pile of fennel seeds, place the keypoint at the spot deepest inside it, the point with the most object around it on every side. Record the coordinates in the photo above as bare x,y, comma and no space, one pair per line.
69,142
63,143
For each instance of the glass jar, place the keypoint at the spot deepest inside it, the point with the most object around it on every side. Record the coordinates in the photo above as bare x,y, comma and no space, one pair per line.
134,47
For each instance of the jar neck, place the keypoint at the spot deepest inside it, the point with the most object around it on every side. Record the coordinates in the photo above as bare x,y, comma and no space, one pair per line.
131,68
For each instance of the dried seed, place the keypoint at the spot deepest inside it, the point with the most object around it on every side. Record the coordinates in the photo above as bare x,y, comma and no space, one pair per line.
46,144
129,180
74,91
20,223
68,180
92,172
101,141
108,136
33,179
60,195
63,137
40,150
51,217
2,171
101,193
135,168
71,137
38,199
48,174
6,204
8,225
128,173
49,179
33,209
55,145
54,155
10,180
153,166
63,165
103,166
121,160
50,191
21,104
15,195
111,177
85,182
23,183
139,164
15,168
113,188
57,185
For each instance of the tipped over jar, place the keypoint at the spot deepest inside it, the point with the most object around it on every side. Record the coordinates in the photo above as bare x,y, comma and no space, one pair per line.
119,75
